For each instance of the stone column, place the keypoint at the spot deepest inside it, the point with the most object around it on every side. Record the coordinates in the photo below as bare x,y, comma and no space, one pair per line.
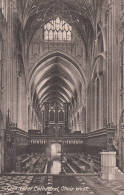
46,117
10,63
121,147
112,67
108,164
83,120
66,117
2,135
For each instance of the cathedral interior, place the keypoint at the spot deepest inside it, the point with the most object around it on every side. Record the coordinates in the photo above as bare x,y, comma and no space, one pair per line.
62,97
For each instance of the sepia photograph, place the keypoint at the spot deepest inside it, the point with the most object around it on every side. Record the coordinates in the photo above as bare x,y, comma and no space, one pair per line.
61,97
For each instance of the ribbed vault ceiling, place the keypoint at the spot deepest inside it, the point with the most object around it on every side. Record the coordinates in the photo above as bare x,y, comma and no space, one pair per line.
57,79
82,14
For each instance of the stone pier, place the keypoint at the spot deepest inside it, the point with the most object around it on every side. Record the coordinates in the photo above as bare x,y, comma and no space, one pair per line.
2,150
108,164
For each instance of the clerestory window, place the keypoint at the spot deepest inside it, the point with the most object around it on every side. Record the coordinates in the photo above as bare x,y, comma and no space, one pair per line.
57,30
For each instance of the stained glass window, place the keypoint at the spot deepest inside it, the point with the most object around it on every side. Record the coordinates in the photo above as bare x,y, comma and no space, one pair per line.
57,30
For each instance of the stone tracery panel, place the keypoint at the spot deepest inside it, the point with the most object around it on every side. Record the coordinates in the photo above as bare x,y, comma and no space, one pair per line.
39,47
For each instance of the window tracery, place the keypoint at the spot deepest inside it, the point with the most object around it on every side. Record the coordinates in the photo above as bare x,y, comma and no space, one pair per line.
57,30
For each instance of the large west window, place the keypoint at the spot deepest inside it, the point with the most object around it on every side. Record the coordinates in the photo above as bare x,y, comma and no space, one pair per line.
57,30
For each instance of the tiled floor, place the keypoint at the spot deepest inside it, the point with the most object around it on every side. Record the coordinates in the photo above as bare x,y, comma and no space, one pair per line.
117,186
62,185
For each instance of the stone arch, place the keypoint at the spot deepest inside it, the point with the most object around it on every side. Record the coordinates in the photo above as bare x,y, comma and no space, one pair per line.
63,55
70,81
